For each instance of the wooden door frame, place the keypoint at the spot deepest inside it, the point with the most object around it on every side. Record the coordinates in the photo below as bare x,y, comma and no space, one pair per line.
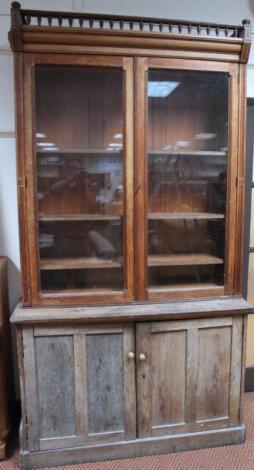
234,202
27,184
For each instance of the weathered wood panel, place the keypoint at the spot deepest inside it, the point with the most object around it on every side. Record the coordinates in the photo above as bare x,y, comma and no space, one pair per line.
228,306
81,383
190,377
168,360
105,382
214,373
55,384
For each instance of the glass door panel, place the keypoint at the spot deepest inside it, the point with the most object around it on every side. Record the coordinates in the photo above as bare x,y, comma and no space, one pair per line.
187,178
80,182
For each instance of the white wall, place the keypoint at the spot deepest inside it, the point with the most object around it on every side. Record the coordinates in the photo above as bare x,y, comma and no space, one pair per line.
223,11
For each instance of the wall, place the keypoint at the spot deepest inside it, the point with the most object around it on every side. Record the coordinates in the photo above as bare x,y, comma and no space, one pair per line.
223,11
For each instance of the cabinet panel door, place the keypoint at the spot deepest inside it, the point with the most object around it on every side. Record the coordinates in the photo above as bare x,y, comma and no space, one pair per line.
80,385
188,375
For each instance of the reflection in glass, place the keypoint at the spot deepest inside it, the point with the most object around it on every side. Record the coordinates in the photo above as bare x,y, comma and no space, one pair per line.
86,184
79,146
187,173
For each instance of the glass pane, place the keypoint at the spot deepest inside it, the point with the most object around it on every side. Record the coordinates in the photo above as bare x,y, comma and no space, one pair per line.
187,173
79,146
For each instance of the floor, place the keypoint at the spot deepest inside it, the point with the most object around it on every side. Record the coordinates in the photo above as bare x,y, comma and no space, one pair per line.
237,457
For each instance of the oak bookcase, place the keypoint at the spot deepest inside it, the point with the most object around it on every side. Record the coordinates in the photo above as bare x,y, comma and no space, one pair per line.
131,170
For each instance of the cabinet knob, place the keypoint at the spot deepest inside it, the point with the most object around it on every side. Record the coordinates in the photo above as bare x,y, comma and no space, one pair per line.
131,355
142,357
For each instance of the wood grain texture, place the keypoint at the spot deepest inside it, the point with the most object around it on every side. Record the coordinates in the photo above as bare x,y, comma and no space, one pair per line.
43,40
55,385
105,383
21,175
236,370
190,378
213,373
78,263
128,104
234,156
168,379
146,446
140,177
83,386
183,260
23,434
241,178
144,380
191,375
76,217
32,411
183,216
149,311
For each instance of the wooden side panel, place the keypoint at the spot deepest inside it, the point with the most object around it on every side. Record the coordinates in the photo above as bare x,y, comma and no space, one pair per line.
105,382
189,378
56,387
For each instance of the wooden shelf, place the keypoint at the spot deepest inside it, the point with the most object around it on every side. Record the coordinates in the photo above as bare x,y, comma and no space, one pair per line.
81,291
79,151
186,153
77,217
184,286
49,264
183,260
184,216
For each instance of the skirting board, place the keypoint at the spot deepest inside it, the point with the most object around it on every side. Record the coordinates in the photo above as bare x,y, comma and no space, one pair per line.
249,379
135,448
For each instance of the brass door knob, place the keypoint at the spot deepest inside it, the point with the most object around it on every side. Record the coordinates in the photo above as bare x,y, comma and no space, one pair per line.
131,355
142,357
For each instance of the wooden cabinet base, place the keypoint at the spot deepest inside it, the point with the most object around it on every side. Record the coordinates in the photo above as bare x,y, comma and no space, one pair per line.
106,390
135,448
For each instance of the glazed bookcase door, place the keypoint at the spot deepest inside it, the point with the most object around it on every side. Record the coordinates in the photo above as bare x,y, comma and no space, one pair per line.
80,178
186,177
79,385
188,375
